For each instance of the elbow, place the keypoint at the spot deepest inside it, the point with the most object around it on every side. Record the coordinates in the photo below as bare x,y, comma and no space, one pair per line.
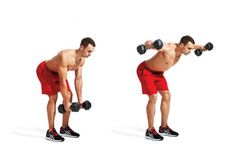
78,78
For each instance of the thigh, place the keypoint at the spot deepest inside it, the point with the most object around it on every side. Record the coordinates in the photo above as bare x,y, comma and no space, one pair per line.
161,83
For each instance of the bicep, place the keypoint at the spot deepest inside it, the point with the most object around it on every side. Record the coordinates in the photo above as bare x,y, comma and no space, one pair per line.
78,72
62,71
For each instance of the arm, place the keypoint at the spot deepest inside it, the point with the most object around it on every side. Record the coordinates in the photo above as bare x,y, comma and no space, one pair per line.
200,47
157,44
79,82
62,71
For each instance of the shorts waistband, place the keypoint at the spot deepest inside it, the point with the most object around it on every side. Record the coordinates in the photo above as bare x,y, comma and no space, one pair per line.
153,71
52,72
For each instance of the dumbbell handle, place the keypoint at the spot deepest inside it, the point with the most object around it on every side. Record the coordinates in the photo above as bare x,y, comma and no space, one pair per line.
157,44
74,107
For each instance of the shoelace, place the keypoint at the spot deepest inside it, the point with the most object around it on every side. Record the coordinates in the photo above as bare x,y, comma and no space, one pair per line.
154,131
55,132
167,128
69,129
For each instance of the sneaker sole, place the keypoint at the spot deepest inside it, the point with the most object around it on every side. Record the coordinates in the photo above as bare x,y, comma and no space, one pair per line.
164,134
149,138
49,139
65,135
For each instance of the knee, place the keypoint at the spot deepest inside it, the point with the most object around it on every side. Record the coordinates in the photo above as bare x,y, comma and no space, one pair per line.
153,99
52,100
166,96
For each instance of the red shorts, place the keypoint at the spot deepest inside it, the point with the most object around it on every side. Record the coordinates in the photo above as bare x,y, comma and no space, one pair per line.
151,81
49,80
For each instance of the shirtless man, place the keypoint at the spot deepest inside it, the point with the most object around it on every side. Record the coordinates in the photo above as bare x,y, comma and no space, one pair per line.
52,75
150,74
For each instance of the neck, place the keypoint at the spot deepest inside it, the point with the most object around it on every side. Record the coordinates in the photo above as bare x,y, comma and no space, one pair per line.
78,53
178,50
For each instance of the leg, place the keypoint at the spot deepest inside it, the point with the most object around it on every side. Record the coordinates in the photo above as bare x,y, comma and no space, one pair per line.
51,110
151,106
65,130
66,116
165,107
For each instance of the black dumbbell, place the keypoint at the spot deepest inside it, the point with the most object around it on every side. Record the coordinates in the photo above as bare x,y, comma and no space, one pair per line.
158,44
86,105
198,52
209,46
74,107
141,49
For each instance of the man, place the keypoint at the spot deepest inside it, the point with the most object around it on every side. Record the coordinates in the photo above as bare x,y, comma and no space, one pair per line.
150,74
52,75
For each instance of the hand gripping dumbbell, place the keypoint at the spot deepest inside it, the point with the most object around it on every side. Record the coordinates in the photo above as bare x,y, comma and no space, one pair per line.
75,107
158,44
208,46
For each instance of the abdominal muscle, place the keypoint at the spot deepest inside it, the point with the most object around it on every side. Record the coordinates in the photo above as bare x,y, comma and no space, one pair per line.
160,62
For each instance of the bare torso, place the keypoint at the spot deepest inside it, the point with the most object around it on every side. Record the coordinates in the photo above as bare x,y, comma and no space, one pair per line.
72,61
164,59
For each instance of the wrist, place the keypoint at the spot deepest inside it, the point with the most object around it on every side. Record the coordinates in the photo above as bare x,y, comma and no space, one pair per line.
80,101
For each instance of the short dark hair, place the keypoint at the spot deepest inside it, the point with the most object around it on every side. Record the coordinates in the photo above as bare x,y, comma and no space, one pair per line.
185,39
86,41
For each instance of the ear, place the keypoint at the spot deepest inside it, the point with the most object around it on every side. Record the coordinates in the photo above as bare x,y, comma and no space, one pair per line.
81,47
181,45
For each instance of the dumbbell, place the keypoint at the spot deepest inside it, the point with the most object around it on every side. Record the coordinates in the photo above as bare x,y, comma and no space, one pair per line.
86,105
75,107
209,46
158,44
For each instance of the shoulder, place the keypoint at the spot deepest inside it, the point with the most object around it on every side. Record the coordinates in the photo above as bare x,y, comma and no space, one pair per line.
169,47
63,57
66,52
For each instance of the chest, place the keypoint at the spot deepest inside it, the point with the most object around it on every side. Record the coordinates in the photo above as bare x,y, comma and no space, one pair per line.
73,65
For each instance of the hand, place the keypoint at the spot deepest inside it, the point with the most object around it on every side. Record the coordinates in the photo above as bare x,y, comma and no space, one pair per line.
67,106
149,44
200,47
80,103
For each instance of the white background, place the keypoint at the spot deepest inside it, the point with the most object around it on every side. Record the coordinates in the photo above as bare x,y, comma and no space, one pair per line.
202,107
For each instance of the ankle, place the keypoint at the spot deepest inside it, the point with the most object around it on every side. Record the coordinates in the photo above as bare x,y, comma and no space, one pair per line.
151,128
64,126
50,129
164,125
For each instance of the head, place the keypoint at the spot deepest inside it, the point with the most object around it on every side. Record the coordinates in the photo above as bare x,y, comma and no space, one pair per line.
87,46
186,44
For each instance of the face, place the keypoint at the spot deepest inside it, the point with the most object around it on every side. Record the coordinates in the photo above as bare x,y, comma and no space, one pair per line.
86,52
186,49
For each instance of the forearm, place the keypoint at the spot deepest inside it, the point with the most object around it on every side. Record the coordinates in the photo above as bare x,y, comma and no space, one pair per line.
199,47
78,88
64,92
